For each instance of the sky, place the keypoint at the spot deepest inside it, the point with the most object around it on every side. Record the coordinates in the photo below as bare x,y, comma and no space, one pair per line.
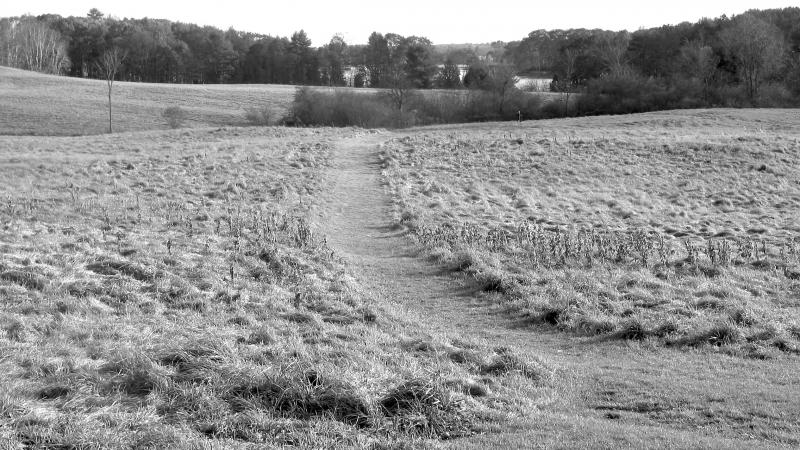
443,22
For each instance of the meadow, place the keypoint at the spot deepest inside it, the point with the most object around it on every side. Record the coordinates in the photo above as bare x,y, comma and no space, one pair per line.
169,289
47,105
678,228
607,282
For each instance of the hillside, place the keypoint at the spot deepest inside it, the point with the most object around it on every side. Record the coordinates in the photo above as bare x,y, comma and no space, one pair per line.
37,104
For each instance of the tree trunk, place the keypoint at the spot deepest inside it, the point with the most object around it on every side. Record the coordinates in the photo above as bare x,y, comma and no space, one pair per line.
109,108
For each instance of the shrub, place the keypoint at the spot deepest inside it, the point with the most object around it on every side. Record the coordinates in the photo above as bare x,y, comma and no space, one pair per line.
633,93
261,116
792,77
441,107
774,96
341,108
175,116
344,108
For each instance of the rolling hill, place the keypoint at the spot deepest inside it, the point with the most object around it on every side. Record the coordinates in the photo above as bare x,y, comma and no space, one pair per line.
37,104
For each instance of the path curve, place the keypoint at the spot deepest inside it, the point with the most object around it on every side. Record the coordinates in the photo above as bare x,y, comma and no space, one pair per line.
358,221
357,217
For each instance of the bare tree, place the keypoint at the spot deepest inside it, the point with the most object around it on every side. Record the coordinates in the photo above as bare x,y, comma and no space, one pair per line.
398,88
700,62
398,93
33,45
566,81
502,82
110,62
612,50
757,48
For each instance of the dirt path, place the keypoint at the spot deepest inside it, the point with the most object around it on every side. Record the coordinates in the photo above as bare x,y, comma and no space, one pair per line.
358,223
357,218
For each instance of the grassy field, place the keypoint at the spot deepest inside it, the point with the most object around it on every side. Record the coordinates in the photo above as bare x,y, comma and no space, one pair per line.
37,104
167,289
678,228
48,105
607,282
662,248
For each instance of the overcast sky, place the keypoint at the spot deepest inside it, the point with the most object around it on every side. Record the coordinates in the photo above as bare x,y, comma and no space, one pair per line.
443,22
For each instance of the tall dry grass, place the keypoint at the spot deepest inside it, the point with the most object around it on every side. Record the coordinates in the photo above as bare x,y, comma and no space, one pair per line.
169,289
667,227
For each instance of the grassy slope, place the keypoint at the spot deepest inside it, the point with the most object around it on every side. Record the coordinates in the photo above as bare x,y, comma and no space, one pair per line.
48,105
694,176
37,104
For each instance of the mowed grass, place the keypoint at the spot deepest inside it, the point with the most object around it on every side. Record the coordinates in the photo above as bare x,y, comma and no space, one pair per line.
43,105
167,290
677,228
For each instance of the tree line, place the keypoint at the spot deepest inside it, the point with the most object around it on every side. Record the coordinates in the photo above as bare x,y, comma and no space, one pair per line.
749,59
174,52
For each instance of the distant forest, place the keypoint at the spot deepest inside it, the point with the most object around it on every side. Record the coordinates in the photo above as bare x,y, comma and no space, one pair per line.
749,59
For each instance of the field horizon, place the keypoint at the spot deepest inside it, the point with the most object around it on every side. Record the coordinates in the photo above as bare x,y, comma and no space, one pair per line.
626,281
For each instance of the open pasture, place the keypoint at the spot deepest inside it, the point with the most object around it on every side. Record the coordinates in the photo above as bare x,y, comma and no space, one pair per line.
48,105
630,281
170,289
676,228
37,104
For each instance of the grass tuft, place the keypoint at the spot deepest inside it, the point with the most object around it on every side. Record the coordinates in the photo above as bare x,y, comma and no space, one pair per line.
134,374
507,363
632,329
305,396
54,391
109,266
26,279
262,336
462,356
722,334
426,407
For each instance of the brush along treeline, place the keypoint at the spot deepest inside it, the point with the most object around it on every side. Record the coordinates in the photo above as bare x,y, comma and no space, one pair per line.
406,107
170,289
616,231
